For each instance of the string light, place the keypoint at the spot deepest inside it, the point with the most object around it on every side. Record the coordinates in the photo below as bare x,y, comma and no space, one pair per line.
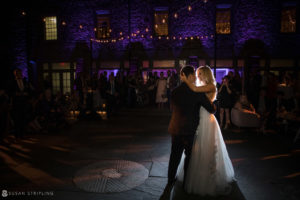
23,13
136,35
114,40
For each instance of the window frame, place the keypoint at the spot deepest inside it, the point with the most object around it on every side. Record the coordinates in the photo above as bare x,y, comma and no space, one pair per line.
230,20
164,11
45,28
107,15
288,7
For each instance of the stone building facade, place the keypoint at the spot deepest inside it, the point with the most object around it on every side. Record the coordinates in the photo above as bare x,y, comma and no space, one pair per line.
255,39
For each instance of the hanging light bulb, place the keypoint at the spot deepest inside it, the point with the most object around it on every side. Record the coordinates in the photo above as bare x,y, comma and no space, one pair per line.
110,30
189,8
147,29
121,33
137,31
23,13
80,26
192,38
156,26
95,29
163,21
63,23
180,38
174,38
151,36
175,15
167,38
205,1
142,36
159,37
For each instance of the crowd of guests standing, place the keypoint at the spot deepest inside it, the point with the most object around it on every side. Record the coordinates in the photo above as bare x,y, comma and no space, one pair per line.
265,95
124,90
24,109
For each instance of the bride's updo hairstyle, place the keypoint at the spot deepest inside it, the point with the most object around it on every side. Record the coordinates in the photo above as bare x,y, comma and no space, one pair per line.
207,74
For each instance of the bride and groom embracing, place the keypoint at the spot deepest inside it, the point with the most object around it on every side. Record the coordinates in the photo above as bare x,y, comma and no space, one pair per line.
205,167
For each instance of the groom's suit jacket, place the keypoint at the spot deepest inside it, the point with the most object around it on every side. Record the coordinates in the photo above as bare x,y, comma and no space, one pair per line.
185,105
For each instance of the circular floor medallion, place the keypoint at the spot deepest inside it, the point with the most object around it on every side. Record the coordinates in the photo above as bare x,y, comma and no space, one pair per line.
110,176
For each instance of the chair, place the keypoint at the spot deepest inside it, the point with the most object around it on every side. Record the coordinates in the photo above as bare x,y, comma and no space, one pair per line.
244,119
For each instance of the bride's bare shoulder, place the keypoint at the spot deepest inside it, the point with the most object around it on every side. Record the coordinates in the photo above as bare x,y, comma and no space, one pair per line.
212,87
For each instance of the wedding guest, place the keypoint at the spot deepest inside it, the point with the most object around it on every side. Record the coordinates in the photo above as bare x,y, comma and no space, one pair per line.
161,93
4,112
19,92
224,97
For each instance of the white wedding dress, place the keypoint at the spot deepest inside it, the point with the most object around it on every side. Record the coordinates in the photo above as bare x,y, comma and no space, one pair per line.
210,170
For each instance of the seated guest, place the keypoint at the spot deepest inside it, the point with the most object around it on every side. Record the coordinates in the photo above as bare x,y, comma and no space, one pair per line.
245,106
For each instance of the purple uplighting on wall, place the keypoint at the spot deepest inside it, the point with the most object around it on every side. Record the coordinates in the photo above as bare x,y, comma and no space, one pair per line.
77,42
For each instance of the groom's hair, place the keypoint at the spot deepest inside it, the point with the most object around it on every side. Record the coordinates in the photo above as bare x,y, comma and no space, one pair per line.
187,70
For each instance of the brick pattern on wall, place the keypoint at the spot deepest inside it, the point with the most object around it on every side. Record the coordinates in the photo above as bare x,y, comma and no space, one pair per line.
251,19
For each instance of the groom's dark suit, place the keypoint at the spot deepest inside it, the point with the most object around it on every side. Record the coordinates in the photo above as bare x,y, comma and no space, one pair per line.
185,106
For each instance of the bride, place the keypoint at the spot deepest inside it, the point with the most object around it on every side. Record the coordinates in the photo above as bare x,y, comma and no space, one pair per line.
210,171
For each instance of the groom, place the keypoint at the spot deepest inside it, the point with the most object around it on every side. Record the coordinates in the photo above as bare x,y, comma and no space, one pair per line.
185,105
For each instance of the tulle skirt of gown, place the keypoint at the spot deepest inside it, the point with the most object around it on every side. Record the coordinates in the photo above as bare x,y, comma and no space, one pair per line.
210,170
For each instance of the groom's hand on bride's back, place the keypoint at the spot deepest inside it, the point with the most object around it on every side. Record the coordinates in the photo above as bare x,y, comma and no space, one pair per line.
207,104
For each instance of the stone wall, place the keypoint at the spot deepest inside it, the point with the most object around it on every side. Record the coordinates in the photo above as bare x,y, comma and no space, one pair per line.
257,20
